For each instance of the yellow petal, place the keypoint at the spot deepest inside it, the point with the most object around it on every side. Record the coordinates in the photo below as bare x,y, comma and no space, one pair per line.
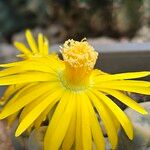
120,76
40,42
43,116
86,130
14,63
126,83
126,100
36,111
26,78
21,47
135,89
31,66
120,115
31,105
113,118
34,64
107,120
55,119
96,129
78,139
70,135
20,93
46,47
55,134
31,41
31,94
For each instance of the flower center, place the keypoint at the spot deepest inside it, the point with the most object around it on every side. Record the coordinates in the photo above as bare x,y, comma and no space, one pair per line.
79,58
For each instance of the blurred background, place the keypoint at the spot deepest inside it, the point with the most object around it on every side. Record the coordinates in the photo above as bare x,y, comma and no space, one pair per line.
63,19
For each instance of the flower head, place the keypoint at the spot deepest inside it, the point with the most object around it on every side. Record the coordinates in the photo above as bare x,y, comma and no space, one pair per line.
79,54
74,93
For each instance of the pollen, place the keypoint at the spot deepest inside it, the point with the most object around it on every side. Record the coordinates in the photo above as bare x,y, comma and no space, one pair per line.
79,54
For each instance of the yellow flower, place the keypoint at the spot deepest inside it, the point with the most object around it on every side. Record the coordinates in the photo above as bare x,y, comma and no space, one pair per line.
74,94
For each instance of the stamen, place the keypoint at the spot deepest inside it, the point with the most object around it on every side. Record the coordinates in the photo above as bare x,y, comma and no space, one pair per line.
79,54
80,58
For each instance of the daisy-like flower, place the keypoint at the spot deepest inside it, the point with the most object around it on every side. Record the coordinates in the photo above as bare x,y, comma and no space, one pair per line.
74,94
